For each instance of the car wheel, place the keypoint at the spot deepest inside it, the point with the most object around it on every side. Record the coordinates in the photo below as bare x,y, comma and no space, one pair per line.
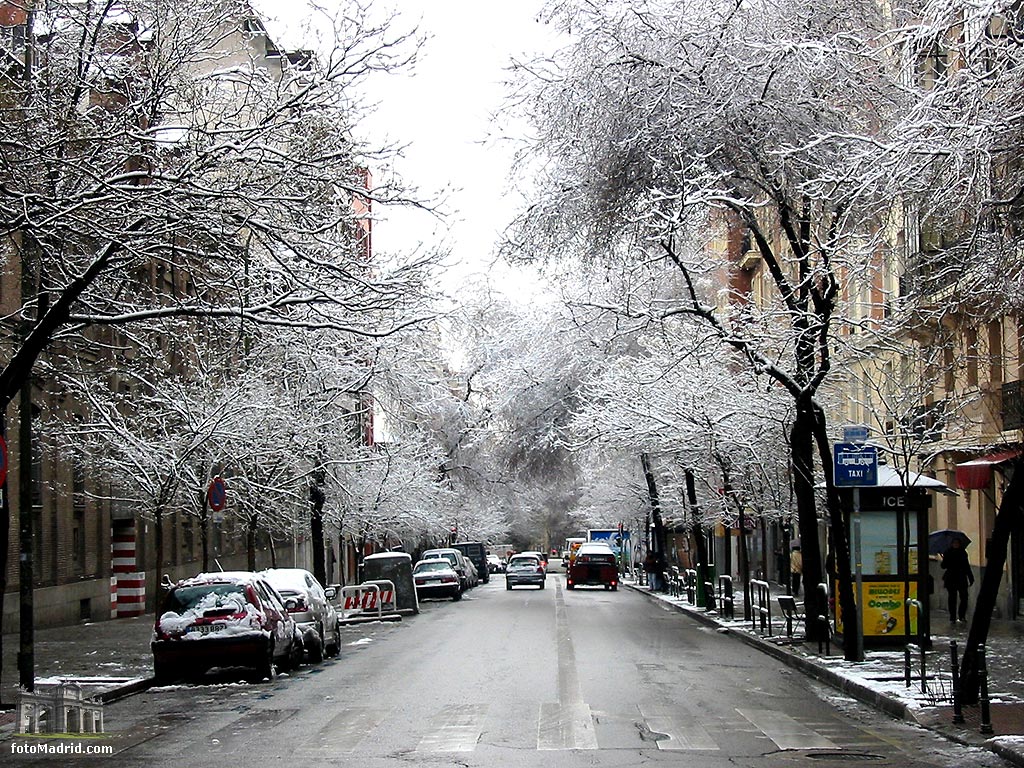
615,588
456,596
542,585
508,586
163,672
316,650
570,586
335,648
266,669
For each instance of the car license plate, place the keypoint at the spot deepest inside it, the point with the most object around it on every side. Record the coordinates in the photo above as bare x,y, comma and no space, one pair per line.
205,629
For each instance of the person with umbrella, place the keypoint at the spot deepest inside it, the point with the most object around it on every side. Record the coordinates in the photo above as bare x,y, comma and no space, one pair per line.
957,577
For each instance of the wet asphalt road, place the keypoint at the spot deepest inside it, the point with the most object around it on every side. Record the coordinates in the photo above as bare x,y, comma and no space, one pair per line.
515,678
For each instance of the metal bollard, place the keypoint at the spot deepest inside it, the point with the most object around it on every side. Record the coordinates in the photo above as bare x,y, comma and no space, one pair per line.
924,671
986,716
825,635
958,712
725,597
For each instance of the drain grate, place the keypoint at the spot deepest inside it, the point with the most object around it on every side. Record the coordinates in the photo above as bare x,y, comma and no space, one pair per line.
862,757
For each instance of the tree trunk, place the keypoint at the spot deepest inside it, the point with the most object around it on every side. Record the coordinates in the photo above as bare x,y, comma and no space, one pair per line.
802,437
703,572
316,527
838,527
250,542
658,543
744,560
1008,517
26,543
158,539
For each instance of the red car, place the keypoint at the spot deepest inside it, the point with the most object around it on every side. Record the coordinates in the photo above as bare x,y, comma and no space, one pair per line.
594,565
231,619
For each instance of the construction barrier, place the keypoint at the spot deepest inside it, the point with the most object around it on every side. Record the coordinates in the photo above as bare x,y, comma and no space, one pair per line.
369,601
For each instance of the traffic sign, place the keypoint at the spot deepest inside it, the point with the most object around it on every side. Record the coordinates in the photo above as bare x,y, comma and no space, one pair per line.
217,494
855,433
855,465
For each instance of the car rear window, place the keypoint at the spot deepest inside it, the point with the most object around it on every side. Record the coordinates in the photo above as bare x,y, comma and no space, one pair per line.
524,562
440,565
210,595
595,557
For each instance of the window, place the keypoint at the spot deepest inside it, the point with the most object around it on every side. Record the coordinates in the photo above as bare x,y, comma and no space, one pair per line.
995,352
971,343
932,64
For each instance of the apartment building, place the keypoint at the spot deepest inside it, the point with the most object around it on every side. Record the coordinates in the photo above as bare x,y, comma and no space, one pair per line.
94,556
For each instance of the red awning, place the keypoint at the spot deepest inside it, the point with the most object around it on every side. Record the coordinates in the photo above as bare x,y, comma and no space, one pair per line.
976,474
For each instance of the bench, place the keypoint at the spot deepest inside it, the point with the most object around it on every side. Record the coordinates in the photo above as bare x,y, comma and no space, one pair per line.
793,611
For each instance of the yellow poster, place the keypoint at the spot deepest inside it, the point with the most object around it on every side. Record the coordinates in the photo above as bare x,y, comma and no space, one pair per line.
884,609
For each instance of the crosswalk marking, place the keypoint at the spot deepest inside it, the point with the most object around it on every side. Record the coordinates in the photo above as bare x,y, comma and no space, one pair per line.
344,732
456,729
786,732
566,725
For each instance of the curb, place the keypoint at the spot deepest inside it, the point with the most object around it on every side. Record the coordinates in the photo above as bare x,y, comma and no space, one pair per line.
879,701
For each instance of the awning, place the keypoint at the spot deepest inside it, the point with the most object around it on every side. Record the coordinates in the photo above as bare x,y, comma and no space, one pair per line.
976,474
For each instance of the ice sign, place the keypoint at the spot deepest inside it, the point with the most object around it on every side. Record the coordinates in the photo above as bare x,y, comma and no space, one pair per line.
855,464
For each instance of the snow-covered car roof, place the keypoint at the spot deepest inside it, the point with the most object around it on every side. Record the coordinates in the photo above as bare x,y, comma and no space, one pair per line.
389,556
236,577
287,578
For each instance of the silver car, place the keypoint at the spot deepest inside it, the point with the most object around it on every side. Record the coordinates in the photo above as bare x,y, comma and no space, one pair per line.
524,569
458,561
309,607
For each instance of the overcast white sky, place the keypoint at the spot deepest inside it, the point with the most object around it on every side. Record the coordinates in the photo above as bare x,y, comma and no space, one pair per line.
441,111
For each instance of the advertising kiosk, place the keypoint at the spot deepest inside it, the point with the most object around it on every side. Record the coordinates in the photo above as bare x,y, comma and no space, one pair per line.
892,517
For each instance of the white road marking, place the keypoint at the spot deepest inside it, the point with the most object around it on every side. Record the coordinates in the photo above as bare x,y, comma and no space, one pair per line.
786,732
456,729
565,725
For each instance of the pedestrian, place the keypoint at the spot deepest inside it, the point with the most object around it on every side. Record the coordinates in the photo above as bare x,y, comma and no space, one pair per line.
796,568
957,578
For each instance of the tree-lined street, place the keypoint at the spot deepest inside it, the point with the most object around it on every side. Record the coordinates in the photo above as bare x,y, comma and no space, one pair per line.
584,677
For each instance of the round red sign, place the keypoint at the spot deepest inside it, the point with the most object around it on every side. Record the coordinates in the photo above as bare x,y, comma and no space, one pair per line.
217,494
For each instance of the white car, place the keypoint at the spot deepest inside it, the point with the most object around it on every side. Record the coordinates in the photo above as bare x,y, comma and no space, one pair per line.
307,603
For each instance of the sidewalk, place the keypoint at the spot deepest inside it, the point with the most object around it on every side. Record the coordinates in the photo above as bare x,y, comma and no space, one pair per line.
104,657
879,681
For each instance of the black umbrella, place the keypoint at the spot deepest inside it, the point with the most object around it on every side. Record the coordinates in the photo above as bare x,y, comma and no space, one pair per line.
940,541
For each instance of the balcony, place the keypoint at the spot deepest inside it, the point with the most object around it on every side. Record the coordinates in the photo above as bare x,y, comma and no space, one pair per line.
1012,410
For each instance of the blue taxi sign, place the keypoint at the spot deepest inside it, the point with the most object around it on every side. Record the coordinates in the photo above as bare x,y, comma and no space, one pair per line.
855,465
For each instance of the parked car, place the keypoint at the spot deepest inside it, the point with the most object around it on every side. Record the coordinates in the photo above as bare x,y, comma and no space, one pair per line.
524,569
472,573
456,558
495,564
593,565
476,553
540,556
436,577
309,607
229,619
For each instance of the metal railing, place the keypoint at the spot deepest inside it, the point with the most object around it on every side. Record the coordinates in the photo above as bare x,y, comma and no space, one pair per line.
690,576
761,592
726,597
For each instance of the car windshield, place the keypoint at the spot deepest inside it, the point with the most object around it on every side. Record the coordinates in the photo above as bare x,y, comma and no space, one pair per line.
211,596
436,565
523,562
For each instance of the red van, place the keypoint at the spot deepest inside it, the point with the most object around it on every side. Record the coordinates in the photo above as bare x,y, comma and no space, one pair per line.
593,566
